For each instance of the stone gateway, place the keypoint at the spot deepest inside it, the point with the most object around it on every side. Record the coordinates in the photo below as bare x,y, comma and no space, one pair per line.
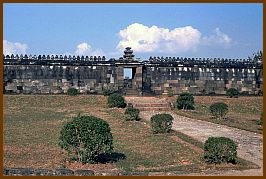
155,76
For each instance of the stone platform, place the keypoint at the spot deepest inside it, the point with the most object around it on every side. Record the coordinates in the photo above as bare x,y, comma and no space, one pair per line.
148,103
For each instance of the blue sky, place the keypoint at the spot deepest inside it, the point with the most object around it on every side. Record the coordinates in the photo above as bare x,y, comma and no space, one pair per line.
184,30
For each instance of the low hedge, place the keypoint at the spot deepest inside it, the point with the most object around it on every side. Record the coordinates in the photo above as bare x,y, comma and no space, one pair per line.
185,101
72,92
132,114
161,123
116,100
219,109
220,150
232,92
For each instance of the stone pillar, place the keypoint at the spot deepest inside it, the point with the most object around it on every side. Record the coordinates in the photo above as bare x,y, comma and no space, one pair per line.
120,76
139,78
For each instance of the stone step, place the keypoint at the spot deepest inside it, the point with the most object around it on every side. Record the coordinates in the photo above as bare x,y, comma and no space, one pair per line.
131,92
154,108
139,105
149,103
144,99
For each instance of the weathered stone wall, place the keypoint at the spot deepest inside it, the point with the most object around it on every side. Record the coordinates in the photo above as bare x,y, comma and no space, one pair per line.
197,77
56,79
202,80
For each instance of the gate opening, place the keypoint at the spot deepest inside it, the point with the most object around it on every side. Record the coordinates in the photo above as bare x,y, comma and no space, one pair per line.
129,73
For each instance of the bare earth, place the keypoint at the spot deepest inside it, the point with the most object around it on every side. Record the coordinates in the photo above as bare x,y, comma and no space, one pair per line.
250,146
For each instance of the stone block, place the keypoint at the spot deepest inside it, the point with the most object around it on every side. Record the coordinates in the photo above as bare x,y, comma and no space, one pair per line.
84,173
64,172
19,172
166,85
43,172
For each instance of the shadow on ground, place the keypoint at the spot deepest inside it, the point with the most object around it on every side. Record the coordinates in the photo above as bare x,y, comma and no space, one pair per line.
110,157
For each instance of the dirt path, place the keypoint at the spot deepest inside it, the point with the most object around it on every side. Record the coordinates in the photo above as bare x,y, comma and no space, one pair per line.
250,146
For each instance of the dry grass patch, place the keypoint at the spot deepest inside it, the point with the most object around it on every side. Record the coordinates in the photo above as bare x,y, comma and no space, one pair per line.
243,111
32,125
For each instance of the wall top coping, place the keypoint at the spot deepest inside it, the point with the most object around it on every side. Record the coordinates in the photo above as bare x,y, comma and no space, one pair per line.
153,61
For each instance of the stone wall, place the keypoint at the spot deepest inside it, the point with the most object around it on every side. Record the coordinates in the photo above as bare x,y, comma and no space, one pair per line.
202,80
56,79
150,77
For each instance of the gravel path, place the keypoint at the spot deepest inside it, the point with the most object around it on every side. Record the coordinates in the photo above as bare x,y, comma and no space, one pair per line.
250,146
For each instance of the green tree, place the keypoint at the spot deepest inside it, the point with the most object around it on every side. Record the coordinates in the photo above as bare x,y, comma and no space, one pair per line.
232,92
219,109
72,92
85,137
220,150
161,123
185,101
116,100
132,114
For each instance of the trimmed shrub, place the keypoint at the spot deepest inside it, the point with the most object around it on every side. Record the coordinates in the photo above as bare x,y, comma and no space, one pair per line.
220,150
132,114
72,92
185,101
170,93
232,92
85,137
260,121
219,109
116,100
108,91
161,123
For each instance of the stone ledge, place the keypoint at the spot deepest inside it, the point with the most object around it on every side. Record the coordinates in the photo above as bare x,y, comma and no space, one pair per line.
68,172
45,172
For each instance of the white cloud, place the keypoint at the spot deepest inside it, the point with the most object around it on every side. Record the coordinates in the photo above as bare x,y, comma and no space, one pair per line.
85,49
14,48
217,38
155,39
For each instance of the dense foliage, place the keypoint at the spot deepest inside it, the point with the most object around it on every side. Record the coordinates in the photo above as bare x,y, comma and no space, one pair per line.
85,137
220,150
185,101
170,93
232,92
260,121
219,109
161,123
116,100
108,91
72,92
132,114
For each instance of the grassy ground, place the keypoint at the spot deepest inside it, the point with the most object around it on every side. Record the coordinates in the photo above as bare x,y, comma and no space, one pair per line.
244,112
32,126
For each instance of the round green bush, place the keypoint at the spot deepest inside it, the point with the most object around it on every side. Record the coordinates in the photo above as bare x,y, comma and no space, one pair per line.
85,137
232,92
219,109
161,123
72,92
108,91
220,150
170,93
132,114
260,121
116,100
185,101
